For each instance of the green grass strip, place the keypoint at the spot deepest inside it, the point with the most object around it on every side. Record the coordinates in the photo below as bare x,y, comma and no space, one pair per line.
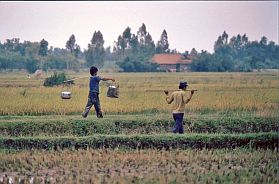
86,127
157,141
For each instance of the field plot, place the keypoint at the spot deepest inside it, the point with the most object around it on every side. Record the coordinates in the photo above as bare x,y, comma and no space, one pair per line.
255,93
141,166
231,131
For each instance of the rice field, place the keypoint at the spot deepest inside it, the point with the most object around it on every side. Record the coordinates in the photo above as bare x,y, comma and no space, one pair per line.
231,130
140,166
256,93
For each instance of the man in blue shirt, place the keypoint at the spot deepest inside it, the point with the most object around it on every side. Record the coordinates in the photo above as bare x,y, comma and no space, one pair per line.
93,97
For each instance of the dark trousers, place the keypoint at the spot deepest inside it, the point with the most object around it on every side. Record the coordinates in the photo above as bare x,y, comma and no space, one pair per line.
178,118
93,99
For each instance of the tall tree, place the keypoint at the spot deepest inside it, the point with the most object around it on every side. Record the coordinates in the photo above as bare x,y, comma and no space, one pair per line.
263,40
221,41
186,54
124,42
43,47
149,48
95,54
76,50
238,42
163,43
11,44
194,53
134,43
109,55
127,36
225,38
120,45
218,44
142,33
70,44
32,48
134,51
146,44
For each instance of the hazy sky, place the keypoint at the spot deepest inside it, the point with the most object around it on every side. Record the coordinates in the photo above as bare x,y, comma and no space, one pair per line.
188,24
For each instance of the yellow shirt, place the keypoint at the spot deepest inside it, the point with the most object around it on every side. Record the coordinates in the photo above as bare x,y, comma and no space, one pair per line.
178,99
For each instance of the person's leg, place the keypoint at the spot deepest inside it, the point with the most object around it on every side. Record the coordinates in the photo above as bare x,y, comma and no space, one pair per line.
176,126
181,128
178,118
88,107
96,102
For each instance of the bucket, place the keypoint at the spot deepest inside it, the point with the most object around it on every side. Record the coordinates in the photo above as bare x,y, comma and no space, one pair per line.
66,95
113,91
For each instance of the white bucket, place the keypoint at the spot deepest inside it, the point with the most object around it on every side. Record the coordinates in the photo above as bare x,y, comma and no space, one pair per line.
65,95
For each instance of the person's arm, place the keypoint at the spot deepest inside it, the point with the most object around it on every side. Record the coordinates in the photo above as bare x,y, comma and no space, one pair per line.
190,97
105,79
169,99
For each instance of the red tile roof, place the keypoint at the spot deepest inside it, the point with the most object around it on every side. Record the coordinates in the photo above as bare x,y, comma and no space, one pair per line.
170,59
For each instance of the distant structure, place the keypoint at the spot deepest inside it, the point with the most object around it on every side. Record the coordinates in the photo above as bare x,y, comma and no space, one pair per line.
38,73
172,62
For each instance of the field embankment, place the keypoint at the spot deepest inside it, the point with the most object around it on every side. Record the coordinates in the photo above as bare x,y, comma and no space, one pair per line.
159,141
132,124
137,133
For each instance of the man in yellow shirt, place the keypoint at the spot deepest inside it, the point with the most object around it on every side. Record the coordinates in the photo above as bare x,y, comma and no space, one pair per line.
179,99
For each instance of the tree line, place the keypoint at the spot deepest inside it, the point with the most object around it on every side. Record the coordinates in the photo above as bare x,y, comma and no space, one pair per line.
36,55
132,52
238,54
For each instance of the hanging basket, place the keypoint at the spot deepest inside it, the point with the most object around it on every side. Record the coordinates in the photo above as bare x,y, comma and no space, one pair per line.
113,91
65,95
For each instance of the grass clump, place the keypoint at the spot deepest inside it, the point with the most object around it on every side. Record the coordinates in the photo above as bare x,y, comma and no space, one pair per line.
56,79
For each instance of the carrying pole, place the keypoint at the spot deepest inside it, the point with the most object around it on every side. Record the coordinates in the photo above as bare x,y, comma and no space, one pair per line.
75,79
161,90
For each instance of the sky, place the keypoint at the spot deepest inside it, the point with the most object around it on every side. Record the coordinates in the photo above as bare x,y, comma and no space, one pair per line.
189,24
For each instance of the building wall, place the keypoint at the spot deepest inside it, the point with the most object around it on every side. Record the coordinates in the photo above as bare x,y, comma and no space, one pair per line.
172,68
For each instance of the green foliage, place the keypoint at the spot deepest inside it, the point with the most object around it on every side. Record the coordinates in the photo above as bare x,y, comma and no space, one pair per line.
137,64
43,47
131,126
238,54
133,52
203,63
163,44
11,60
16,55
159,141
95,54
72,46
56,79
31,65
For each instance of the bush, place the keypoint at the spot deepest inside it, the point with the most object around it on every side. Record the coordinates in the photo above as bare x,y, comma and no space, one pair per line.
56,79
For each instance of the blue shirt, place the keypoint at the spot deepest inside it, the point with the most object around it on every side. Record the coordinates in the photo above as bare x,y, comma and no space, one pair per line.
94,84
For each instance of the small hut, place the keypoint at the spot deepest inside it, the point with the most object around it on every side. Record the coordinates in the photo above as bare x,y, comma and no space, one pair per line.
172,62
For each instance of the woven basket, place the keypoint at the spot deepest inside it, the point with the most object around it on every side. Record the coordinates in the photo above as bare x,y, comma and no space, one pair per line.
113,91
